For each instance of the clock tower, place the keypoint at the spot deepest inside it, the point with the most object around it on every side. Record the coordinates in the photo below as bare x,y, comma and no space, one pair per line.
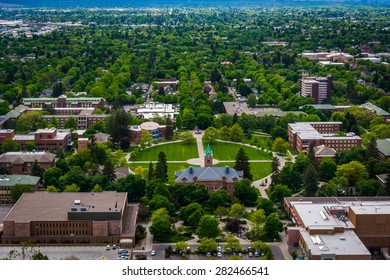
208,158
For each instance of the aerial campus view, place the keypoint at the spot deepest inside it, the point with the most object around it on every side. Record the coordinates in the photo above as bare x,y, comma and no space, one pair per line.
167,130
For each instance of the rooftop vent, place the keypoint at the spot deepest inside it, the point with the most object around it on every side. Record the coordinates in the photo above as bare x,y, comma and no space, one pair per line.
77,202
227,170
191,170
342,238
73,209
323,215
83,209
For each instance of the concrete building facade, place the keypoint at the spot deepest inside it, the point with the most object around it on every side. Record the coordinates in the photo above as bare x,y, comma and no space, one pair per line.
318,88
70,218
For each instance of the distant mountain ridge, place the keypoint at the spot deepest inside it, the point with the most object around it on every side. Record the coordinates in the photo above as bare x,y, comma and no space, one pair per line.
187,3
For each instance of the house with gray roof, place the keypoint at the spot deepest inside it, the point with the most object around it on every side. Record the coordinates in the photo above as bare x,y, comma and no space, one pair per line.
214,178
22,162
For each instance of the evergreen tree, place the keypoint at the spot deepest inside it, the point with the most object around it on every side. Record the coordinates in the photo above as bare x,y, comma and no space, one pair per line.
37,170
169,129
235,118
150,172
372,150
117,125
275,164
310,180
311,155
109,170
242,164
161,171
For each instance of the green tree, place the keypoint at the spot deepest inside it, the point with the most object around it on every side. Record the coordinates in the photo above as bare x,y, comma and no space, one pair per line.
31,146
97,188
242,164
18,190
272,225
232,244
210,135
29,121
354,171
372,149
208,227
187,211
146,138
187,137
279,192
169,129
51,176
161,226
70,123
135,186
310,180
161,171
251,100
327,169
266,204
207,245
257,219
9,145
237,211
265,250
117,125
327,190
150,172
236,133
109,171
159,201
181,246
51,189
53,123
246,193
221,212
219,198
37,170
280,145
72,188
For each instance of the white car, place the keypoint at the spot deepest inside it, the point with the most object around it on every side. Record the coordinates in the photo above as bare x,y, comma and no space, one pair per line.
208,255
108,247
219,255
113,247
153,253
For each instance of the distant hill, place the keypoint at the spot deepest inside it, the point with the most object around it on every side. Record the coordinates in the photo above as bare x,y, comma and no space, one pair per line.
188,3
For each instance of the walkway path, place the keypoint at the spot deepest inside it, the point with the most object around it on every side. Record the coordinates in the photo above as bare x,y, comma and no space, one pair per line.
198,136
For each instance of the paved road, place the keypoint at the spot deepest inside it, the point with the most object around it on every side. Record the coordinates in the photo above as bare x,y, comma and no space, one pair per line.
62,252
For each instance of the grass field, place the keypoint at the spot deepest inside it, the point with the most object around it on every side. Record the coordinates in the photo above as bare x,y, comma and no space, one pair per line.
174,151
258,169
228,151
172,167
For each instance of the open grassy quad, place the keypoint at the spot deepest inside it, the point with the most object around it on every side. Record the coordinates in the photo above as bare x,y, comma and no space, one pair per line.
173,151
258,169
172,167
228,151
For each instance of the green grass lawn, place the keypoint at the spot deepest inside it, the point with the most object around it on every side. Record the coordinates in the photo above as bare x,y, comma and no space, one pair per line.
173,151
228,151
172,167
258,169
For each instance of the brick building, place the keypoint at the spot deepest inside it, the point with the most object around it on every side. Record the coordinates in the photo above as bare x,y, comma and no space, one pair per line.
214,178
22,162
57,218
302,134
318,88
339,227
64,102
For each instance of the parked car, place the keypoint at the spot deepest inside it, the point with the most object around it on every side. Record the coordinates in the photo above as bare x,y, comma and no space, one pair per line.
113,247
219,255
153,253
123,251
208,255
219,249
250,254
108,247
256,254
